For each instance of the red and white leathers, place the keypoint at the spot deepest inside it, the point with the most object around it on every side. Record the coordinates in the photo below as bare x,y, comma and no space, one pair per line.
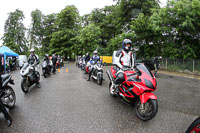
125,58
122,59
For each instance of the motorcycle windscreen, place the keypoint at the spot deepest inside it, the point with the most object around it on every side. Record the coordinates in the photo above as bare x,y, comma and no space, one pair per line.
145,69
44,63
25,66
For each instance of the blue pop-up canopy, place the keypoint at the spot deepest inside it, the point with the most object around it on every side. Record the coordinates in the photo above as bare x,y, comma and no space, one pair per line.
7,52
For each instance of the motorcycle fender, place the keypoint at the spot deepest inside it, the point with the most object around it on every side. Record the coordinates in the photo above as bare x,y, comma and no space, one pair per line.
146,96
99,73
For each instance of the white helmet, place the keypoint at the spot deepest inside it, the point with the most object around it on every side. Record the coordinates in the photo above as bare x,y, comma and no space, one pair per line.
32,50
95,52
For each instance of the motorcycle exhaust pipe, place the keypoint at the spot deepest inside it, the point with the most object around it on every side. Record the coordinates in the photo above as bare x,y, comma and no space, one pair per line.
109,76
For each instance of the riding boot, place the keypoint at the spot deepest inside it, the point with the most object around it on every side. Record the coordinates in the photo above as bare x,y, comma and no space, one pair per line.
90,73
89,76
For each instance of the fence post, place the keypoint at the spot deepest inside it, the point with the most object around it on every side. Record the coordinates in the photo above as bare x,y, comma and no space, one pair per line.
166,64
193,67
174,62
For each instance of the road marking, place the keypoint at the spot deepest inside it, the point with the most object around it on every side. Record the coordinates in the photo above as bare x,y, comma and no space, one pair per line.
58,69
66,69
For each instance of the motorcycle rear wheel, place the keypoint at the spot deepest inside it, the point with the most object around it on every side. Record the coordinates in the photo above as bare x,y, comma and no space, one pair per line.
151,109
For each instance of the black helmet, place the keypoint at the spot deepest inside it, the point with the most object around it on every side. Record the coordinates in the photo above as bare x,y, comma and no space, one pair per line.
126,41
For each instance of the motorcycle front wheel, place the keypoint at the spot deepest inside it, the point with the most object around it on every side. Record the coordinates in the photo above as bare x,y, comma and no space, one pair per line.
25,85
9,97
99,79
111,94
149,111
194,127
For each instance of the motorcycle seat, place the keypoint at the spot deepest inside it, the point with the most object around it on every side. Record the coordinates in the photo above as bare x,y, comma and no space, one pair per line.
4,77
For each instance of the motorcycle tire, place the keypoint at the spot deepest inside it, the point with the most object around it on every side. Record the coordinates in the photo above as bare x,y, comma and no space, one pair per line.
11,97
112,95
152,104
25,89
194,127
38,74
99,79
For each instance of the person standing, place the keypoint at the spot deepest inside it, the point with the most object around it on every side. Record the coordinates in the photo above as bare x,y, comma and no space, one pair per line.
54,60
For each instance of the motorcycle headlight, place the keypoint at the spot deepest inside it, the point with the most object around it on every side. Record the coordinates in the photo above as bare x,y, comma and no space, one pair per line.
149,84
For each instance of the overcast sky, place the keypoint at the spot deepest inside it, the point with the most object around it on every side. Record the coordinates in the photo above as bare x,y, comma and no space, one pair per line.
48,7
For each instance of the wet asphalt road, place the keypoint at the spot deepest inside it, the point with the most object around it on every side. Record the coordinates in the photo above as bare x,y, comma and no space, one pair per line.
66,102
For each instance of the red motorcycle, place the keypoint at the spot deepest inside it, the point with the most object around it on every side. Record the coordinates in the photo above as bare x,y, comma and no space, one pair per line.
58,64
137,89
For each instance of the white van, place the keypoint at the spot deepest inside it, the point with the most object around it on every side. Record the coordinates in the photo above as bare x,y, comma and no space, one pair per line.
22,59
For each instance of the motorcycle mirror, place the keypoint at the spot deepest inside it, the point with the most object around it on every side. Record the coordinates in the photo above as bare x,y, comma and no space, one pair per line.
136,48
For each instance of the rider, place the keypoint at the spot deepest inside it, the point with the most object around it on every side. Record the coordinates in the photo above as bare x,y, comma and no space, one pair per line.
125,61
34,60
46,57
93,60
54,60
156,62
83,58
59,58
87,57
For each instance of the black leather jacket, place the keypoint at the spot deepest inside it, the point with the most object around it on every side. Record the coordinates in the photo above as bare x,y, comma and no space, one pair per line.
33,59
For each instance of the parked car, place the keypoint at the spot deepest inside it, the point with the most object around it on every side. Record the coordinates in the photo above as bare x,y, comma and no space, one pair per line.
22,59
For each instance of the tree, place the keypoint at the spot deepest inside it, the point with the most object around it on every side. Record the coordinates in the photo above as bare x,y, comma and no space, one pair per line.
67,28
130,9
14,32
49,28
36,29
90,38
145,37
179,25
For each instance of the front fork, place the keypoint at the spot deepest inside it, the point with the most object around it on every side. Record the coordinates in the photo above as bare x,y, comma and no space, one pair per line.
145,97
